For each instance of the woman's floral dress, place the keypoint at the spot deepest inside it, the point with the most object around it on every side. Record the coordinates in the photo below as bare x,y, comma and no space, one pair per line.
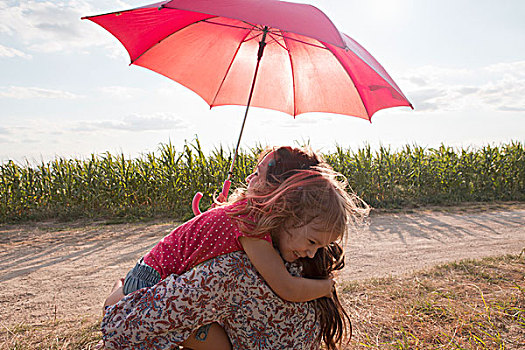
226,289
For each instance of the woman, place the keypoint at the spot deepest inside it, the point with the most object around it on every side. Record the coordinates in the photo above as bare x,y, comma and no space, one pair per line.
228,290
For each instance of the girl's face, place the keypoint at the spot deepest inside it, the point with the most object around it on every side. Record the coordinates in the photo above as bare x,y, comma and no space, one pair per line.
303,242
259,175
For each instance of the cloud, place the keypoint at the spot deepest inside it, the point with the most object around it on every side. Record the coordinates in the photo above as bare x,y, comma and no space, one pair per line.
516,69
419,81
498,87
511,109
50,26
11,52
287,121
155,122
467,90
122,92
13,134
47,131
505,94
22,92
30,141
429,75
428,99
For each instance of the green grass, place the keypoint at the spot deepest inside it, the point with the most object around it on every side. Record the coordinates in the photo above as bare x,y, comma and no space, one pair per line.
162,183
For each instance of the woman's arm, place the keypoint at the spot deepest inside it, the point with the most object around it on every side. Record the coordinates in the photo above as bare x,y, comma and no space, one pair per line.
166,313
270,265
226,289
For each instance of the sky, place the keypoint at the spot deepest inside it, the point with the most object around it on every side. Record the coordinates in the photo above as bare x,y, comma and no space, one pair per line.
67,89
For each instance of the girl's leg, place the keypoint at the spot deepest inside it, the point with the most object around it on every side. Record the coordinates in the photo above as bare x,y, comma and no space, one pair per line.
115,296
208,337
139,277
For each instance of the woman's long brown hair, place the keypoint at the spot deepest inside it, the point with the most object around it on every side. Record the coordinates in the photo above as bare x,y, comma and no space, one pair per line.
333,319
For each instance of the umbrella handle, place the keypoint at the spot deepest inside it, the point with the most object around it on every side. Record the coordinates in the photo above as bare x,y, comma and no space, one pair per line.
197,198
226,188
195,203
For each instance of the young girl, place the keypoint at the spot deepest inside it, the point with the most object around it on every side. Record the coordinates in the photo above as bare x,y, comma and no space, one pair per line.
291,205
273,167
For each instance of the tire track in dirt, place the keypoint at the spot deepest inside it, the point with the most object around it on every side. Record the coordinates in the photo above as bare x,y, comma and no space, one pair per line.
401,243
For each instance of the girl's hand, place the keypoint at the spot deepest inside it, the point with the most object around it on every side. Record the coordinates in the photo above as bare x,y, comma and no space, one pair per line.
331,285
220,198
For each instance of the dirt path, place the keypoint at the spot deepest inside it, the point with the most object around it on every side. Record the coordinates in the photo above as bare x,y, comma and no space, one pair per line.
50,271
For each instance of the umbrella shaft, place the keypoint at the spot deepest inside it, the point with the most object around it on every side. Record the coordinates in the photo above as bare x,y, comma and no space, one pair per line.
262,44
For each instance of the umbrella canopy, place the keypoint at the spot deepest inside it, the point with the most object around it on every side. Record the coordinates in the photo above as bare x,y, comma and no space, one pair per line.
211,46
221,48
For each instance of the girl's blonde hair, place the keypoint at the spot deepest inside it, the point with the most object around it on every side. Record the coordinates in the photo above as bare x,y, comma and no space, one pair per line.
317,195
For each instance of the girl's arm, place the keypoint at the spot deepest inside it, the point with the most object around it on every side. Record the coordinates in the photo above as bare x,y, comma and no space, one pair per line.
270,265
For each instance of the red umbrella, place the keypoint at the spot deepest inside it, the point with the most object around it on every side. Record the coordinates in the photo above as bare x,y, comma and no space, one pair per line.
216,47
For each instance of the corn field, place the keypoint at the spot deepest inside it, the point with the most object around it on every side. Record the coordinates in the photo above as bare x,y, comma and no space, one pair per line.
163,183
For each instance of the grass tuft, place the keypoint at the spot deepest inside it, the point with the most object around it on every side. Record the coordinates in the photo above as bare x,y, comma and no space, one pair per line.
51,335
471,304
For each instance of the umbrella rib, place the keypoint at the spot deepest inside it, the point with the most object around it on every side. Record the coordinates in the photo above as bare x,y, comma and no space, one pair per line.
394,87
302,41
293,75
228,70
118,13
356,89
187,26
167,36
207,20
274,40
255,36
275,32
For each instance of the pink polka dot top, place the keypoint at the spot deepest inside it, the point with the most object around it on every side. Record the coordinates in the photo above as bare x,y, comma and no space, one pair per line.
204,237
